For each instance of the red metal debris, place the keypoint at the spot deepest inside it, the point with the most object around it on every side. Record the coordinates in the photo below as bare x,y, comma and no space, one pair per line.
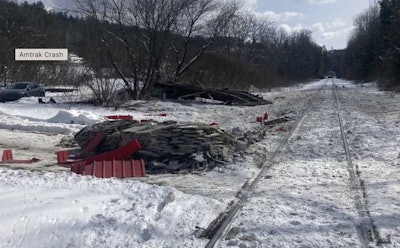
162,114
120,117
117,154
214,124
115,168
62,157
91,145
80,166
262,118
7,155
8,159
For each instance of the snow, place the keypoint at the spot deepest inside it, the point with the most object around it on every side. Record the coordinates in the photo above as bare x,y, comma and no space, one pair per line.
375,136
83,118
42,209
304,201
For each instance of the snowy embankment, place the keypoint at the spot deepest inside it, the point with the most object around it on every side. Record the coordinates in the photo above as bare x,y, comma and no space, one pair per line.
42,209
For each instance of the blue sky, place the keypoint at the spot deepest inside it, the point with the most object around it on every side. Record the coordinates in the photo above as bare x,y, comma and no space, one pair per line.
331,21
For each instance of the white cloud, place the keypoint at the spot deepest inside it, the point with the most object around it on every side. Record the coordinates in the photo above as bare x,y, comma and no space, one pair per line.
337,23
290,29
337,28
341,33
334,32
283,17
318,27
319,1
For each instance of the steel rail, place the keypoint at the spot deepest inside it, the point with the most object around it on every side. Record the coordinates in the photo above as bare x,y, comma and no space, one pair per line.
366,230
249,190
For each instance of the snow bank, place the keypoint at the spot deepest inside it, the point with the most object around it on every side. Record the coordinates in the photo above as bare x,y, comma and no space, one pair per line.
43,209
73,116
28,125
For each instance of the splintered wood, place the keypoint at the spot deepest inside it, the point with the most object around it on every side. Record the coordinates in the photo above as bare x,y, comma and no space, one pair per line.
167,146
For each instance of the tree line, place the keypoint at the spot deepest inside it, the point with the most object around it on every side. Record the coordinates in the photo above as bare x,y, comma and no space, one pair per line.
373,51
205,42
31,26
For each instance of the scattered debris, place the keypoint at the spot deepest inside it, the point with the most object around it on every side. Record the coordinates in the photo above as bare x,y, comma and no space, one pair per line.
7,158
107,164
120,117
60,89
166,146
276,121
51,101
67,142
262,118
90,146
119,153
191,92
114,168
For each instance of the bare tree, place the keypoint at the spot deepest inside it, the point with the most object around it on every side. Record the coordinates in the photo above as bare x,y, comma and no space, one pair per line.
242,30
206,18
148,31
253,37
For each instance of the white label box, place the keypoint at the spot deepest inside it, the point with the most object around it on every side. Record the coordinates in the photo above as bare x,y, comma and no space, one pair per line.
41,54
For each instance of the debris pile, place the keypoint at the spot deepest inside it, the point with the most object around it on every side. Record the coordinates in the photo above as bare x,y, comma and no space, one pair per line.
191,92
280,120
166,146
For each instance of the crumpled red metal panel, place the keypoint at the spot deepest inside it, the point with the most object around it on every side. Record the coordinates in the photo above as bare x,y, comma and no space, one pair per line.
116,168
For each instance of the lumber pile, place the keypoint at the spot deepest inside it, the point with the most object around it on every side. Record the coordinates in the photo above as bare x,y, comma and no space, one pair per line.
166,146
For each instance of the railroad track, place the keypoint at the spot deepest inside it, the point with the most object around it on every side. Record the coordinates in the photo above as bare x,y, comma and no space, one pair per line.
366,229
367,232
222,226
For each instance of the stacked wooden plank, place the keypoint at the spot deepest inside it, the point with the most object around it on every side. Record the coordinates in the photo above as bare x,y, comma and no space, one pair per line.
167,146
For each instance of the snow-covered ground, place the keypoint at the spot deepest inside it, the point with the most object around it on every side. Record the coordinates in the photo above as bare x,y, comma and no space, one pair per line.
305,200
